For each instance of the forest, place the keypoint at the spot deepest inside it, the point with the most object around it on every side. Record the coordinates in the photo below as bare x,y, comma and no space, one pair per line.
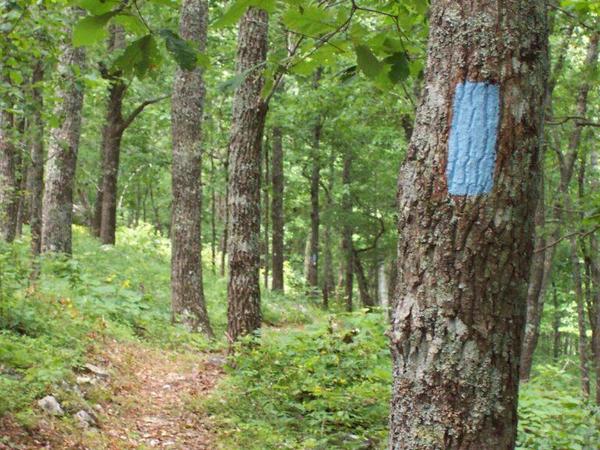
299,224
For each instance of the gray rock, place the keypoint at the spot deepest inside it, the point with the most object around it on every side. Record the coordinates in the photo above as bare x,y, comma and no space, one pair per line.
85,380
98,371
218,361
51,406
84,419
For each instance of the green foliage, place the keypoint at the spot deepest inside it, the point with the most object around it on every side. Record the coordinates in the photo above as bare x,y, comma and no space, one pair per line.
552,414
324,386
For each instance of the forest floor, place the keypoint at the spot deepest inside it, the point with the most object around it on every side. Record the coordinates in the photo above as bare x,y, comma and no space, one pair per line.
144,397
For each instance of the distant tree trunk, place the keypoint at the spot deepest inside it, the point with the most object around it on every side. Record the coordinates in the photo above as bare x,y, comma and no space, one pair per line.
541,266
465,230
277,219
266,217
583,344
213,215
347,232
555,325
315,180
22,163
225,240
57,209
35,171
157,223
538,277
382,284
363,285
8,175
249,111
328,277
595,275
186,234
111,142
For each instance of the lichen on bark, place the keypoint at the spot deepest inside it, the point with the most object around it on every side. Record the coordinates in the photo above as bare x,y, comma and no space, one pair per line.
463,261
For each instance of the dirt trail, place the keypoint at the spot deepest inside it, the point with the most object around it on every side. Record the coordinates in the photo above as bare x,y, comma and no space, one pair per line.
146,402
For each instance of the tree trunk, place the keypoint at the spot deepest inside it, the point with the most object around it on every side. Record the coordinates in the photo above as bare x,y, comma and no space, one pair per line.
538,277
249,111
213,216
382,284
544,255
328,277
277,219
21,165
8,176
111,140
363,285
582,341
266,217
35,171
595,275
315,180
555,325
466,191
347,232
347,251
225,240
57,209
186,233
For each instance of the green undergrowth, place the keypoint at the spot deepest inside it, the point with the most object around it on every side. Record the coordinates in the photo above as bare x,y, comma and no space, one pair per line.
122,292
324,386
328,386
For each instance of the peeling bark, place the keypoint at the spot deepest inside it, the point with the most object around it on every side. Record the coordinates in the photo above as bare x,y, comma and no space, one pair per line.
186,221
463,260
249,112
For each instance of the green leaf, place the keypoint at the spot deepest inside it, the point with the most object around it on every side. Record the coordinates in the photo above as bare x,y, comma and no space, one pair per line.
181,50
98,7
131,23
139,57
232,14
91,29
310,20
399,70
367,61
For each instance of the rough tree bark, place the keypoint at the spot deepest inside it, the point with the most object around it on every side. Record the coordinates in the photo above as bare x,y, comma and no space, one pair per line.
248,120
57,209
187,293
277,218
465,227
35,170
595,275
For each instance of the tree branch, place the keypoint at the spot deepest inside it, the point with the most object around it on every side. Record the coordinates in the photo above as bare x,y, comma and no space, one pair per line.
131,117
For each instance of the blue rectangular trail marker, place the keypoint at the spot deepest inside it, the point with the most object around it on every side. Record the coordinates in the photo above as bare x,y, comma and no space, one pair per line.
473,136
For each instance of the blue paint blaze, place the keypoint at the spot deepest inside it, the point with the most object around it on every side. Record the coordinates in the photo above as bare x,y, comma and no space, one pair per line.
473,136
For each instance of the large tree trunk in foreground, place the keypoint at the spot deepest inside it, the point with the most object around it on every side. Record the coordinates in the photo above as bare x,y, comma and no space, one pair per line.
186,220
8,176
277,219
57,210
466,192
249,111
35,170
